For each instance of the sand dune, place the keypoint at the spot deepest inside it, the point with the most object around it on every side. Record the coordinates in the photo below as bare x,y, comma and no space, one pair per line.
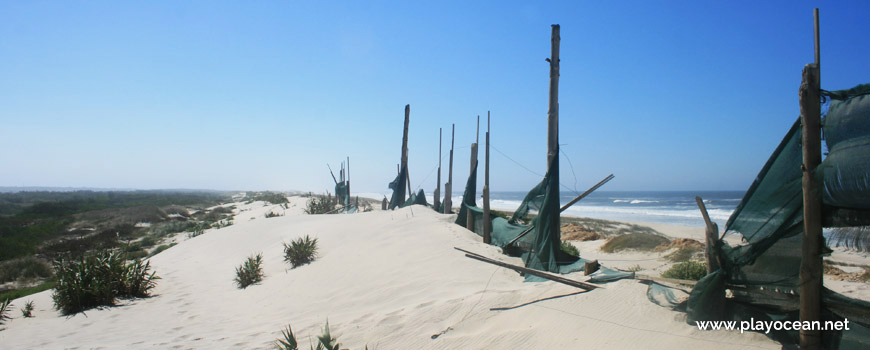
386,279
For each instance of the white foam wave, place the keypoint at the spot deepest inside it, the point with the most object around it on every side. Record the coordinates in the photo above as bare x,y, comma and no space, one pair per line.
639,201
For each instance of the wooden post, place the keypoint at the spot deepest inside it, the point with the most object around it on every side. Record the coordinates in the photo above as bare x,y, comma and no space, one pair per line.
405,148
487,221
448,188
553,112
811,259
711,252
348,179
469,216
437,193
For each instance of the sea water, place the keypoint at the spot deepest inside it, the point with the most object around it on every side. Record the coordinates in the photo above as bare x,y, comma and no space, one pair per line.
662,207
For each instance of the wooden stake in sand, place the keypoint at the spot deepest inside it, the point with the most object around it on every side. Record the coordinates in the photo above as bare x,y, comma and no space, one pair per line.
437,193
811,258
469,216
487,221
405,148
448,188
711,251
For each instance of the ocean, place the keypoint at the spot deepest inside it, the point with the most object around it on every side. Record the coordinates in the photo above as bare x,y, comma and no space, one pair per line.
663,207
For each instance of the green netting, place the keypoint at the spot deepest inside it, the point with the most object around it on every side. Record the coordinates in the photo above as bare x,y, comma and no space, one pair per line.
416,198
398,187
341,193
540,247
770,219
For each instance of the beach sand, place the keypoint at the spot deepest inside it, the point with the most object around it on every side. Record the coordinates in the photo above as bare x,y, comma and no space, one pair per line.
383,279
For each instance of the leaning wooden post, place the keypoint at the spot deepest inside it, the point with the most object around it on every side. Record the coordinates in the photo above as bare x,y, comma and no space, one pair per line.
448,188
487,222
811,252
711,252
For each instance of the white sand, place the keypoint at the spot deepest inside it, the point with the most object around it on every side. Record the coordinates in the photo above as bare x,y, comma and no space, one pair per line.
386,279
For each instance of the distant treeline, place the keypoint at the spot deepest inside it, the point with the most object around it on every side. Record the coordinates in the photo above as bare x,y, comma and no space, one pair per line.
28,219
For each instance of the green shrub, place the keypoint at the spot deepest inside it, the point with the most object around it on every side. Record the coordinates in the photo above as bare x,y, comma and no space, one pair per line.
300,251
28,267
27,310
4,311
97,279
272,215
250,271
690,270
638,241
569,249
635,268
321,204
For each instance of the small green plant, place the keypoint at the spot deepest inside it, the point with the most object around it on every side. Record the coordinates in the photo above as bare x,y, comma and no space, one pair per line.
302,250
635,268
569,249
325,341
4,310
689,270
289,342
272,215
250,271
27,310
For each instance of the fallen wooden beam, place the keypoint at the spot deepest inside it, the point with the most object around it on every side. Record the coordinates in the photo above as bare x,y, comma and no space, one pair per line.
533,272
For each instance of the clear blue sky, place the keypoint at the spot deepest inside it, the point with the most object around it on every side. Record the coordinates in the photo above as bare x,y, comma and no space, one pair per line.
667,95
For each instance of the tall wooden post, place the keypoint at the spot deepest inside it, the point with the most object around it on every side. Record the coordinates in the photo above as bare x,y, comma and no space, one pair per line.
469,215
348,179
811,258
405,146
437,193
711,252
405,149
553,112
448,188
487,222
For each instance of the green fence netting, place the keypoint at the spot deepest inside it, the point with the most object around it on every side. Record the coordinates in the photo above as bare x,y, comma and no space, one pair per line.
762,272
398,187
539,248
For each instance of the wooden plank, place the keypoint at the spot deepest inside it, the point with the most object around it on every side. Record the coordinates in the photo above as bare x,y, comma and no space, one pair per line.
711,241
437,194
667,280
469,216
584,194
810,279
533,272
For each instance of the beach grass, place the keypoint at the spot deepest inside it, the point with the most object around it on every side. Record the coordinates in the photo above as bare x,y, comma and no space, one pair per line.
689,270
250,271
302,250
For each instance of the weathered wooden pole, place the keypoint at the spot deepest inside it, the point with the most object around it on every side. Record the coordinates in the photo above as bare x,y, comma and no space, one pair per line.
348,179
448,188
811,258
487,222
711,252
437,193
469,215
553,112
405,149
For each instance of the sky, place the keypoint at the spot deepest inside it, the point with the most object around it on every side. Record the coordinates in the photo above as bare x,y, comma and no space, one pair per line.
240,95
